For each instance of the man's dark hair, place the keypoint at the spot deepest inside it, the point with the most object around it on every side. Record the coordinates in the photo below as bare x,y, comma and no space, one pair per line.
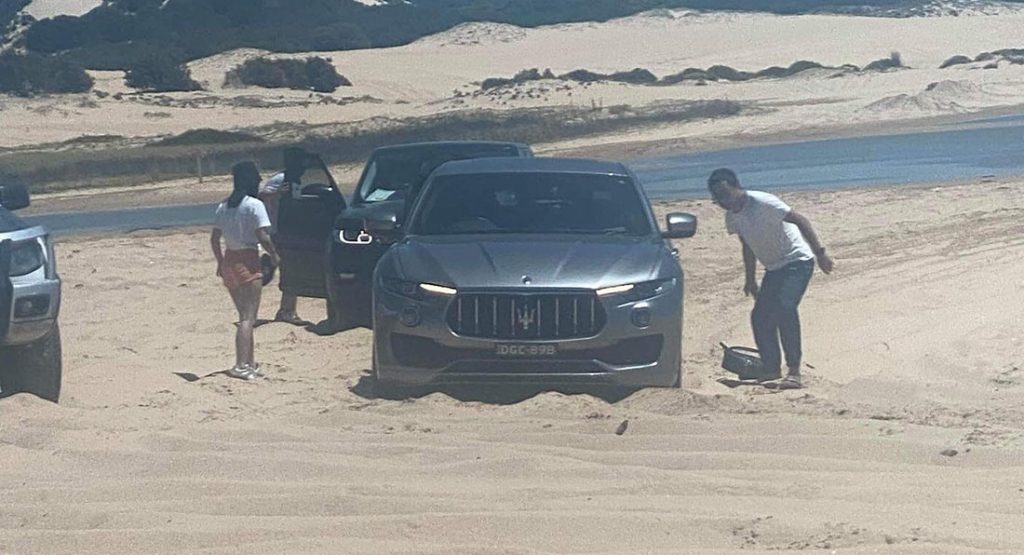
724,175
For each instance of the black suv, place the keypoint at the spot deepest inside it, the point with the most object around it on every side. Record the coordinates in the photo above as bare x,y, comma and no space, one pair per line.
329,248
30,352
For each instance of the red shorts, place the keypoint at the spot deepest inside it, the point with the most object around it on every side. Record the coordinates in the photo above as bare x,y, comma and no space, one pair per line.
240,268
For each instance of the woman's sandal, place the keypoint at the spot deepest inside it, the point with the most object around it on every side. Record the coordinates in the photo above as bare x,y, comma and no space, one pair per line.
241,373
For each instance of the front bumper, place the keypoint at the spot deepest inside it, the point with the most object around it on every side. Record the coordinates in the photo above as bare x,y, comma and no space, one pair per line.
33,328
621,354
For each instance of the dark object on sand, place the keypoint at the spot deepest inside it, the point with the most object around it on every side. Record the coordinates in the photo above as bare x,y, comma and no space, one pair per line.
622,428
745,363
268,268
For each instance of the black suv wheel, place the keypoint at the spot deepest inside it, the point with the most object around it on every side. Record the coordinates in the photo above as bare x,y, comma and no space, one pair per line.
34,368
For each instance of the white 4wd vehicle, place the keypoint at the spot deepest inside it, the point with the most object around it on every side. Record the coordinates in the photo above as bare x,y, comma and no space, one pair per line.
30,355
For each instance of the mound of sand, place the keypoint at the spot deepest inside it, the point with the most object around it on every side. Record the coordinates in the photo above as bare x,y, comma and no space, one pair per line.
475,34
939,97
42,9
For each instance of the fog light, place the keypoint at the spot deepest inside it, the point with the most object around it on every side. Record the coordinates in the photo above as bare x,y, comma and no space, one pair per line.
641,317
32,307
410,316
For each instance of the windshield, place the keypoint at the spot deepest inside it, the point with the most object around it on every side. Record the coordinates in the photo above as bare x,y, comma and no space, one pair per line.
397,174
548,203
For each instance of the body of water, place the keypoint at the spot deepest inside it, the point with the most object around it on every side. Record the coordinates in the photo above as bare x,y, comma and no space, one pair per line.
890,159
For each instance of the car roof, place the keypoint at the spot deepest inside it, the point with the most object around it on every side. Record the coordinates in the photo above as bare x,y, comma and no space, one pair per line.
532,165
449,144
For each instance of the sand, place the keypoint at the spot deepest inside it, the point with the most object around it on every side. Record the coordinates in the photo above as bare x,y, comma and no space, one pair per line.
913,349
43,9
442,74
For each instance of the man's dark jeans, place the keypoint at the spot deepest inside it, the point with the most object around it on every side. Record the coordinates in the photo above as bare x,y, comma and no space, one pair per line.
775,314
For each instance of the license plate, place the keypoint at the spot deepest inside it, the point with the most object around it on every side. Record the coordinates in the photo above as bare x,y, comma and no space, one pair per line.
525,351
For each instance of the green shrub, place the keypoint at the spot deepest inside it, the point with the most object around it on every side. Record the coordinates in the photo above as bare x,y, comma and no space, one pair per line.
197,137
955,60
160,74
317,74
29,74
894,61
728,74
636,76
321,76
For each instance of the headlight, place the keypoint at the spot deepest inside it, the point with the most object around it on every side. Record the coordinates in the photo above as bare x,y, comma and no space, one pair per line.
634,292
26,258
417,290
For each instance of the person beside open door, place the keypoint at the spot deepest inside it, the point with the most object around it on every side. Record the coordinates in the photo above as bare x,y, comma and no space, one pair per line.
270,193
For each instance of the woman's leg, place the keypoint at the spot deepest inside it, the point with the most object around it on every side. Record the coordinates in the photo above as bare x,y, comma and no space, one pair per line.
247,301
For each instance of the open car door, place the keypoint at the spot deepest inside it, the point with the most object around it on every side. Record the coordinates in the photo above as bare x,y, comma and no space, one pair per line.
305,220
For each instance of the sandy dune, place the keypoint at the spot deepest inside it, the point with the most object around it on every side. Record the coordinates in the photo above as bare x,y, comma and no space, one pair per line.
42,9
442,73
914,347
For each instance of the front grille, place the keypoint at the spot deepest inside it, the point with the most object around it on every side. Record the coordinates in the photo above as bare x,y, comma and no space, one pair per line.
528,316
421,352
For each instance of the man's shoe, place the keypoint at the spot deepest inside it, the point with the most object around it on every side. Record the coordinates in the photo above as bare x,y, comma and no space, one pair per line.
791,381
289,318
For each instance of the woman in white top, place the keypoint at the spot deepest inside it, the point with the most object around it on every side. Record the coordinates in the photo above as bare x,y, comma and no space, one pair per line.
243,224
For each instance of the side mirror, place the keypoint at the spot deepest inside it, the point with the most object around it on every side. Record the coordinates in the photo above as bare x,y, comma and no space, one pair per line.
14,197
680,226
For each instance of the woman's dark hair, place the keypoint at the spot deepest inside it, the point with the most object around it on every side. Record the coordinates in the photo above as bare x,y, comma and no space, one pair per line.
247,183
724,175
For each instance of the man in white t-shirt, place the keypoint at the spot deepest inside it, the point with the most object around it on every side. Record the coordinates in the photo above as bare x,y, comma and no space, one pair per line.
270,194
785,243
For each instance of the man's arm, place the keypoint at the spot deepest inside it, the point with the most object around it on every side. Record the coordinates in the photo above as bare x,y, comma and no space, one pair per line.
750,268
804,225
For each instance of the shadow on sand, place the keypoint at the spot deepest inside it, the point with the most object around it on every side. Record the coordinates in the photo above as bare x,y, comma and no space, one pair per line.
494,394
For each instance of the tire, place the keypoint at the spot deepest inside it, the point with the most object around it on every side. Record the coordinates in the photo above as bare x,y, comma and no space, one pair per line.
349,317
337,318
34,368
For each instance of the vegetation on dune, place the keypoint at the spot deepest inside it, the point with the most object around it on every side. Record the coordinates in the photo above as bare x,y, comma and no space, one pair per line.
315,74
119,33
160,73
9,11
31,74
714,73
954,61
894,61
175,157
1012,55
208,137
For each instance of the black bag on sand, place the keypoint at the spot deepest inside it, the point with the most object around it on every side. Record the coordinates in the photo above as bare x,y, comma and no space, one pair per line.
746,364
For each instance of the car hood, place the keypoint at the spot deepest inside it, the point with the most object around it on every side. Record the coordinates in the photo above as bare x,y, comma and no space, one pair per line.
384,210
508,261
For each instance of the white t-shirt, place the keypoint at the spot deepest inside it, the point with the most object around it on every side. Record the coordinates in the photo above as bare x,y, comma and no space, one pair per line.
239,224
761,225
273,184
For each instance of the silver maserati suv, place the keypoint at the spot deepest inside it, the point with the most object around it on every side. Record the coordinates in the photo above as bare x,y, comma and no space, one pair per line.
540,271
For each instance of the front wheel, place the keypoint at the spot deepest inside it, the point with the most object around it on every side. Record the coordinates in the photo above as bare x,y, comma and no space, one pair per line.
34,368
